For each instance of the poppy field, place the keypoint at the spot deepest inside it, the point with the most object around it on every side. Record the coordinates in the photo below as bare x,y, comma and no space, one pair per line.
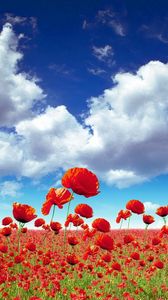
77,261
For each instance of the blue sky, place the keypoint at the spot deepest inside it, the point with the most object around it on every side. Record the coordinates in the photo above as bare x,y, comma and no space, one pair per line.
84,84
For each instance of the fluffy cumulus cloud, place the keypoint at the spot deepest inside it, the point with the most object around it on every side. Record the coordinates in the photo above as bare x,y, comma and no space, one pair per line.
43,144
11,154
129,123
51,140
123,137
18,92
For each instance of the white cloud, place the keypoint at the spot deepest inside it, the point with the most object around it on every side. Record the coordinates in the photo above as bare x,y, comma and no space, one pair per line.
56,144
11,154
117,27
96,71
124,133
110,18
122,178
129,124
13,19
102,53
155,31
10,188
151,206
18,92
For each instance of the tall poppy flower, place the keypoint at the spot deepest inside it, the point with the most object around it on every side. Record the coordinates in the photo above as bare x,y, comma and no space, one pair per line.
162,211
55,226
84,210
57,197
39,222
135,206
74,219
148,219
123,214
23,213
6,221
101,225
6,231
81,181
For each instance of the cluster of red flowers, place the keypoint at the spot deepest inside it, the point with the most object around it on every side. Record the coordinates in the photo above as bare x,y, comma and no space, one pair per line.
98,253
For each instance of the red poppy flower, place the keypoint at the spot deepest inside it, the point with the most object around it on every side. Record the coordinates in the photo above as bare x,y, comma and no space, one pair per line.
77,221
81,181
35,298
39,222
74,219
23,213
101,225
128,239
164,229
6,221
156,241
24,230
18,259
72,240
92,250
13,226
88,233
148,219
3,248
106,257
104,241
72,259
84,226
135,206
55,226
46,227
142,263
84,210
6,231
31,247
123,214
116,266
159,264
57,197
162,211
135,255
150,258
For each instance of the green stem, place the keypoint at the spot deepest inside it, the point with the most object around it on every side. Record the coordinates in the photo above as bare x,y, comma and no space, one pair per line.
164,219
53,240
129,222
53,213
21,225
121,223
65,230
146,228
